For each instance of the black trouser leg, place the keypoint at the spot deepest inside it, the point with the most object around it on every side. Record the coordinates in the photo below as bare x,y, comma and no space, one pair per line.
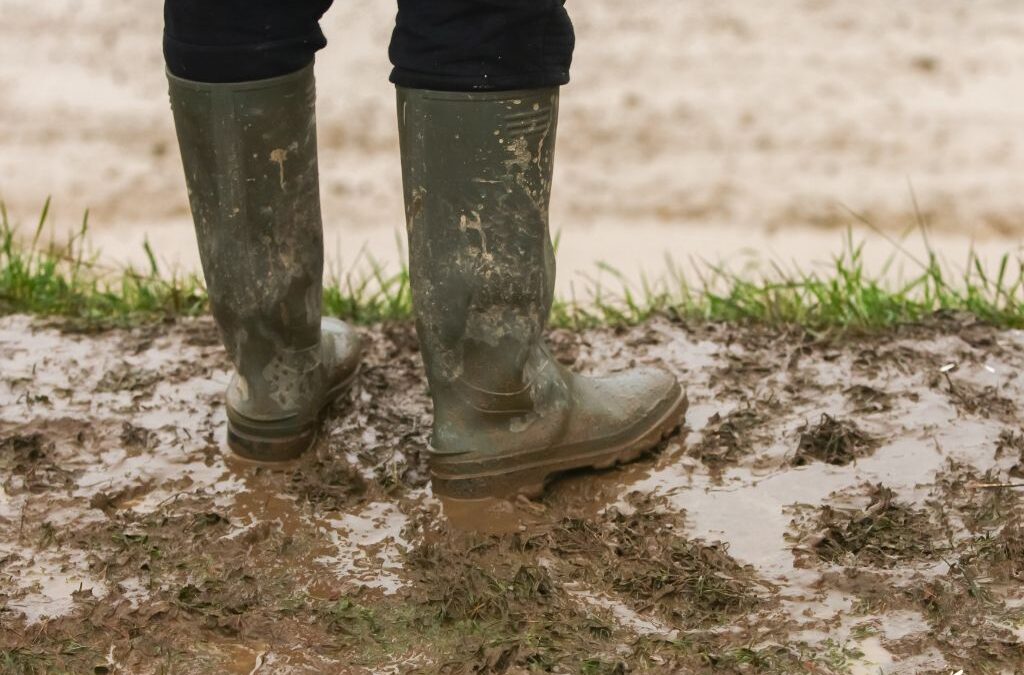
480,45
454,45
241,40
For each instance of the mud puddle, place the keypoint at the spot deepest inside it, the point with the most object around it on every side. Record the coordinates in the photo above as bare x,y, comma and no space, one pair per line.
832,506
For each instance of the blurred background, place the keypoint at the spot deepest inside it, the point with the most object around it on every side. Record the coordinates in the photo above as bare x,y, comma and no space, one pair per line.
696,130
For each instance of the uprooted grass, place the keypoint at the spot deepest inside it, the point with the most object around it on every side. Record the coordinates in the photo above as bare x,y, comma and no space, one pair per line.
883,534
729,438
833,441
67,280
969,607
968,536
642,555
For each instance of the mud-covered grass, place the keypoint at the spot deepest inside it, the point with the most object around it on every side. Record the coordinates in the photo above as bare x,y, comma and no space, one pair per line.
571,593
475,603
729,438
129,542
957,558
641,553
68,280
832,441
883,533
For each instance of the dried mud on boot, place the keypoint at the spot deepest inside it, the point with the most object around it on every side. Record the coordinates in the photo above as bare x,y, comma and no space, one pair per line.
127,533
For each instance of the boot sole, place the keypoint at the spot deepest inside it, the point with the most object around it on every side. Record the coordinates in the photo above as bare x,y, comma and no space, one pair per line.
480,477
276,441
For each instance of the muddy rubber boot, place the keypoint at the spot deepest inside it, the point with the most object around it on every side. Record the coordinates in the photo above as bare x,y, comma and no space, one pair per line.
249,151
477,170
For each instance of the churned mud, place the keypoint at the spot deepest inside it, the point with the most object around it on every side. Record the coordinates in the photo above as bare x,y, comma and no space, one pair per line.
832,505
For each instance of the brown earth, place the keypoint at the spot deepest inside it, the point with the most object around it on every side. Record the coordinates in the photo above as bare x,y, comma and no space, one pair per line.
833,505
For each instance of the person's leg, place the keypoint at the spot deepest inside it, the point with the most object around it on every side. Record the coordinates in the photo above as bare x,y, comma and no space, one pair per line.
242,93
477,169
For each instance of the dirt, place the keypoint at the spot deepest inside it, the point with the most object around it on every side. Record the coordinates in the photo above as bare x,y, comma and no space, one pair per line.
131,542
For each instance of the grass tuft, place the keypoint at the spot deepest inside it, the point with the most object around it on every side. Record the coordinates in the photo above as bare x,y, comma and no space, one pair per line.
67,280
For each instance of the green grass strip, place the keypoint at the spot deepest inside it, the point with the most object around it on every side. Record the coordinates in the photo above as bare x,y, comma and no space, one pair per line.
51,280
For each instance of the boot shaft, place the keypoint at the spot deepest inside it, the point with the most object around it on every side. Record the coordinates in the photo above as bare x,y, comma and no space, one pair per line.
476,171
507,416
249,152
250,159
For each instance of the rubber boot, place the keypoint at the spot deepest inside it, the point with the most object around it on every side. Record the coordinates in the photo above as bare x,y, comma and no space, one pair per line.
249,152
477,173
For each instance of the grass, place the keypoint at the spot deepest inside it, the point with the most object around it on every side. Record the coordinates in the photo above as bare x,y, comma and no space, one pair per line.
68,281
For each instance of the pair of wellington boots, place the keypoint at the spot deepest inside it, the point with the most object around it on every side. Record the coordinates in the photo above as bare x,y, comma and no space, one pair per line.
477,173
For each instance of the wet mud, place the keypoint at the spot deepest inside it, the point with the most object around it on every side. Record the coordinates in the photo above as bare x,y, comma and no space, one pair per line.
833,505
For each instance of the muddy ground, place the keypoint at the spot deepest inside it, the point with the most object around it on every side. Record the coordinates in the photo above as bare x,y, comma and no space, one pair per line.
832,505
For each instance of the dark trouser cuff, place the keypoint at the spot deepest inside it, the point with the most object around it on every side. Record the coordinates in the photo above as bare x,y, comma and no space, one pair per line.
502,82
200,63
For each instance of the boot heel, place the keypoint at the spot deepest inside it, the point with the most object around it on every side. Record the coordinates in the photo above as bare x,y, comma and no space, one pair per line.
270,448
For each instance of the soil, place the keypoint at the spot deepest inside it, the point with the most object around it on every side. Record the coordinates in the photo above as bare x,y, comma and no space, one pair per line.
833,505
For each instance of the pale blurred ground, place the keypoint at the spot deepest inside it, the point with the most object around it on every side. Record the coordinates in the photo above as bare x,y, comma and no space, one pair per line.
692,128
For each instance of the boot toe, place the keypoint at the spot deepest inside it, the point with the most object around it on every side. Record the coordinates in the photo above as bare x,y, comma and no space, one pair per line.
630,396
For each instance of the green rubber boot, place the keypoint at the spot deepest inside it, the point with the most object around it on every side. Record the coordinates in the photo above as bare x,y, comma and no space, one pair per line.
249,151
477,173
